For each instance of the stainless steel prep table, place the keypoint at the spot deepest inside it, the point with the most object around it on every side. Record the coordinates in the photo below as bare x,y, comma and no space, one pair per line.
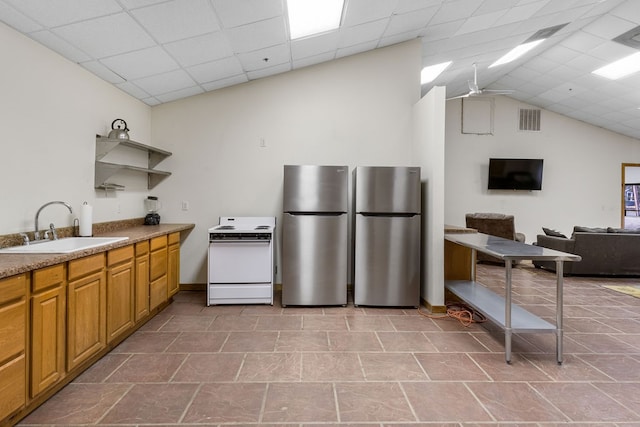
496,308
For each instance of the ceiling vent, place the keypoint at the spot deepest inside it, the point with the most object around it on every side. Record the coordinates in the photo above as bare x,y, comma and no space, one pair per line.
529,120
631,38
545,33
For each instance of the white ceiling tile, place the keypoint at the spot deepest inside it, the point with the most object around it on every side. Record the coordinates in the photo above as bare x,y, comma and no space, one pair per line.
233,13
582,42
266,72
314,46
106,36
358,48
478,23
440,31
611,51
103,72
216,70
371,31
258,35
178,94
177,19
628,10
405,22
520,13
135,4
455,10
362,11
313,60
141,63
52,13
164,83
397,38
404,6
132,90
17,20
265,58
151,101
608,27
559,54
200,49
229,81
56,44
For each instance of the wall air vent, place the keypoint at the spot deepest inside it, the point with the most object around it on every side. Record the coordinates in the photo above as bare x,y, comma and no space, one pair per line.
529,120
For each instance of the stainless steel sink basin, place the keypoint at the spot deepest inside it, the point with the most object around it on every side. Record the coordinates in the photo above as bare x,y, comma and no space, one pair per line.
62,246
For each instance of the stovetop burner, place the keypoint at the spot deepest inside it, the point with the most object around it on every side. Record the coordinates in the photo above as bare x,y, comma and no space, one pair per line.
263,227
226,227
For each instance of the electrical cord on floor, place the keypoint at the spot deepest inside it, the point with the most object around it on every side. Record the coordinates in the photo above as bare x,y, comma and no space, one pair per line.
460,312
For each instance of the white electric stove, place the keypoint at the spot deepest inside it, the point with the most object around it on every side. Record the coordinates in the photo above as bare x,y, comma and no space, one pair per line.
241,261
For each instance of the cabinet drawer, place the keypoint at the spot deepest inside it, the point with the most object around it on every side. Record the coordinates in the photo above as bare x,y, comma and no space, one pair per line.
142,248
158,264
13,319
158,243
174,238
12,386
83,266
13,288
48,277
116,256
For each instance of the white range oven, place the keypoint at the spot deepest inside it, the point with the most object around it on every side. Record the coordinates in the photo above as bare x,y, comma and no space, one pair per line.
241,261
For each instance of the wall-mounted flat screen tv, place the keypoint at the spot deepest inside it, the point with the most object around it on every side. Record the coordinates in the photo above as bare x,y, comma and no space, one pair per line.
515,174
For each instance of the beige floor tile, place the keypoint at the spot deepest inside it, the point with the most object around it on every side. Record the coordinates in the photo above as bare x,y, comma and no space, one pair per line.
432,401
300,402
271,367
226,403
376,401
333,366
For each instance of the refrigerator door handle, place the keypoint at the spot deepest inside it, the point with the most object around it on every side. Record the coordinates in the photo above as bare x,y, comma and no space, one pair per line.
388,214
317,213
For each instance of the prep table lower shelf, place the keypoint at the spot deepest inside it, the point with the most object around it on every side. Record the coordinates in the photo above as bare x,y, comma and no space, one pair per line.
460,260
492,306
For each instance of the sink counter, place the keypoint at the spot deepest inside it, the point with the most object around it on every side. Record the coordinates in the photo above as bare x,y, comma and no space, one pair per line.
11,264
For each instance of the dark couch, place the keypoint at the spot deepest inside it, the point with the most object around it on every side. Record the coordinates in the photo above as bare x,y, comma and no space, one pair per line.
607,252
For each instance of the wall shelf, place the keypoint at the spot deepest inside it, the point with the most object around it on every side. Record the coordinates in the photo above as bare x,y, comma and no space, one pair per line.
104,170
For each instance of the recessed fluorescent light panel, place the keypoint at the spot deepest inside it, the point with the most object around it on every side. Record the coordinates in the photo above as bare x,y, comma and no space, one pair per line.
430,73
309,17
528,44
620,68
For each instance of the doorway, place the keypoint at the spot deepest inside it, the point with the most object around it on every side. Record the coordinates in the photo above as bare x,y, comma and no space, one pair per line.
630,207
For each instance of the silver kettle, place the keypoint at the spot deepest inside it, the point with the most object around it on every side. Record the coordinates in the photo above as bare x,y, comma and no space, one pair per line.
117,132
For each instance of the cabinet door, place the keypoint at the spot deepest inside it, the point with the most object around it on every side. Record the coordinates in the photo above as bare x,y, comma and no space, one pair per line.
120,291
158,264
173,271
142,281
47,339
86,330
13,341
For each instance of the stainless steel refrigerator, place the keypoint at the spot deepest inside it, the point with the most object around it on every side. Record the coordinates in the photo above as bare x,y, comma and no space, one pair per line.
314,235
387,236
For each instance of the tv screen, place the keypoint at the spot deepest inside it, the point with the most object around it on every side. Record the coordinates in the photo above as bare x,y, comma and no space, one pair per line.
515,174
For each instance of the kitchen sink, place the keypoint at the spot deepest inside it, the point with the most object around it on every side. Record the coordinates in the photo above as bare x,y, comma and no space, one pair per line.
62,246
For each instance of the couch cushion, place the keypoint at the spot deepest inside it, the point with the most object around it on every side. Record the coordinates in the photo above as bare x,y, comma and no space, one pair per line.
623,230
581,229
554,233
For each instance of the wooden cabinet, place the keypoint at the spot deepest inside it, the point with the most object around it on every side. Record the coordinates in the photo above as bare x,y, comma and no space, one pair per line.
86,306
47,339
158,292
142,281
120,291
13,342
173,268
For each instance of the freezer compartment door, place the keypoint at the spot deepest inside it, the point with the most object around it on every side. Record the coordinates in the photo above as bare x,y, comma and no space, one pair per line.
309,188
387,189
387,261
314,259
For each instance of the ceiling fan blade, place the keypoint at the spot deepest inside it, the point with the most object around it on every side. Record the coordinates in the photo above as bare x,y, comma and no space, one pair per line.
498,91
466,95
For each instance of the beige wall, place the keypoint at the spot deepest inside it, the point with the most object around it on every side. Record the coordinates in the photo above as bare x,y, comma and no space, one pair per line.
352,111
50,111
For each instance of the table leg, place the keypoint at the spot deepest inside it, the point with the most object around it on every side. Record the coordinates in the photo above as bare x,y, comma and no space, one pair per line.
507,312
559,309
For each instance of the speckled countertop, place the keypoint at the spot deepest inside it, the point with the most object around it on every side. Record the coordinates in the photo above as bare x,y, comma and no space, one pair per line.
11,264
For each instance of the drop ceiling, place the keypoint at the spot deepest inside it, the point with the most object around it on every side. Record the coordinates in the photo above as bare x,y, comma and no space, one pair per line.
163,50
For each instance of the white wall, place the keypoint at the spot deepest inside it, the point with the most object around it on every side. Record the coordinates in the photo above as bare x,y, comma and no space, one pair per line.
581,178
50,111
429,143
352,111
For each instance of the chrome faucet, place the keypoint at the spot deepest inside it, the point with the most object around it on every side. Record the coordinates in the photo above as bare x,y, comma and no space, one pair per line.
37,233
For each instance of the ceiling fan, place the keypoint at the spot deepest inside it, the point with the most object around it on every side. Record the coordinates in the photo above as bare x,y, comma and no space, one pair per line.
474,90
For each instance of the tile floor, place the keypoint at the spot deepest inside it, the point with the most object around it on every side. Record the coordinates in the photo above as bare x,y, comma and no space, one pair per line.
357,366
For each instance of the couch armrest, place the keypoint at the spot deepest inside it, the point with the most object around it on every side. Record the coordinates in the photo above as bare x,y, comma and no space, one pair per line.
557,243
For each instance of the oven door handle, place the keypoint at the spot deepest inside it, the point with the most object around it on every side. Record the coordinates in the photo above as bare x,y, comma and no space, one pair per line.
240,241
